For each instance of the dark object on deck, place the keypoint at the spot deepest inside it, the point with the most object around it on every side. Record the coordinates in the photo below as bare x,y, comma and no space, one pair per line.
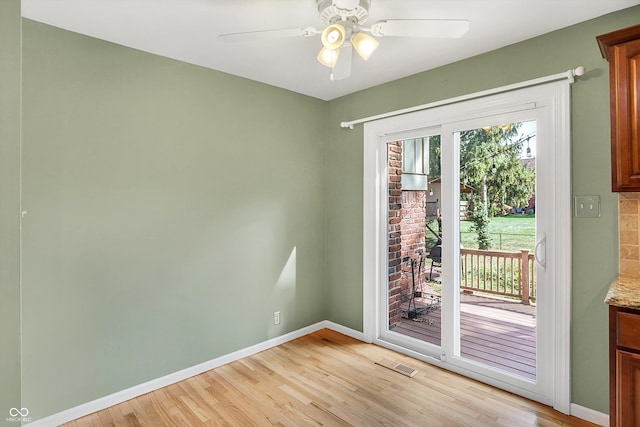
416,272
435,253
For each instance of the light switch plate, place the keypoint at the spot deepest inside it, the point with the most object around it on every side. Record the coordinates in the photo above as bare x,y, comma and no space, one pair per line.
587,206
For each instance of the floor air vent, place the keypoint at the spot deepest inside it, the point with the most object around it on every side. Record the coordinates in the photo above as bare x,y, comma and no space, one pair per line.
398,367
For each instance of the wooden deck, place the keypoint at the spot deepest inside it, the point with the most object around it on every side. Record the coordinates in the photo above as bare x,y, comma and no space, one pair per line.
495,332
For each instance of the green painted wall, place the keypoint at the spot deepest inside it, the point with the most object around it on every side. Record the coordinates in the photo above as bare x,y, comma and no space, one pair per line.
595,244
9,208
171,210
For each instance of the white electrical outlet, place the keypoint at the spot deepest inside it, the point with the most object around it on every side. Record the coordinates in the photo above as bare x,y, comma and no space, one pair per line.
276,317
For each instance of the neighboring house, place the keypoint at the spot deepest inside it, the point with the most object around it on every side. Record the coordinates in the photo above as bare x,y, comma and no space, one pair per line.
434,196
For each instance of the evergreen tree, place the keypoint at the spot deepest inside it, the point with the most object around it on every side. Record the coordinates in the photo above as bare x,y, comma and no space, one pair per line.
490,162
435,154
481,224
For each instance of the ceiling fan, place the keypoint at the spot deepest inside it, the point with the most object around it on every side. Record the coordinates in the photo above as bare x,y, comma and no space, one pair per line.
345,32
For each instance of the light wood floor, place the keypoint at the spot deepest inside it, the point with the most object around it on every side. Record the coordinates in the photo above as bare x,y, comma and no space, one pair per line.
329,379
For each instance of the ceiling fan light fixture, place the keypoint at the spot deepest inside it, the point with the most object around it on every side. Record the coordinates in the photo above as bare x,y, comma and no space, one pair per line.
365,45
328,57
333,36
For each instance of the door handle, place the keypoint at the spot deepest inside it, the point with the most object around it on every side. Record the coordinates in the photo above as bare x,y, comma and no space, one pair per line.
541,256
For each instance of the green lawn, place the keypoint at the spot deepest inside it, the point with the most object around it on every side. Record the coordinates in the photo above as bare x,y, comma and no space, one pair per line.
508,233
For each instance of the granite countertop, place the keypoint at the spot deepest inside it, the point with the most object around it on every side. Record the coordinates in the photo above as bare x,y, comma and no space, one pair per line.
624,291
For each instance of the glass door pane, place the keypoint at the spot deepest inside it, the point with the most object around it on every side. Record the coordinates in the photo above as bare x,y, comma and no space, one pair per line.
414,236
497,234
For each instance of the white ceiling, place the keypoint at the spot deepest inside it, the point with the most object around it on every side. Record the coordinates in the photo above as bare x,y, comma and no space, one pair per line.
187,30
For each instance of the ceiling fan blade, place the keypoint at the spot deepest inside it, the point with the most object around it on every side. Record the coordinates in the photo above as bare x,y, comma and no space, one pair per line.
437,28
342,69
268,34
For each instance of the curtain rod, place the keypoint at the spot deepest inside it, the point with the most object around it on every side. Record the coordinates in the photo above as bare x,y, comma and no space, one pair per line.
569,74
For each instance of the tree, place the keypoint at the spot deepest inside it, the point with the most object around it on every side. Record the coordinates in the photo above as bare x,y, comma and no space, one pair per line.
435,154
490,162
481,224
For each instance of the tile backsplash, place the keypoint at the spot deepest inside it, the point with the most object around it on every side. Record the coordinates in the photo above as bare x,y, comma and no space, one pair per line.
629,225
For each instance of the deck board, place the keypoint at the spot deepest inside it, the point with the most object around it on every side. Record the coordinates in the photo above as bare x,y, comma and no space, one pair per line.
495,332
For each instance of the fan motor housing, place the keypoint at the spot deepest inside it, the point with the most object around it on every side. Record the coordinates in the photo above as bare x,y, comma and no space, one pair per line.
331,11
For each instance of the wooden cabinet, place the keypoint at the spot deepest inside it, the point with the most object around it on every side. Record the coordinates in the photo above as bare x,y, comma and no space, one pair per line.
624,367
622,49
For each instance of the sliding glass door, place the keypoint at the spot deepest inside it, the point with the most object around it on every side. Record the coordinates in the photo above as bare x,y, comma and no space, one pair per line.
466,235
498,296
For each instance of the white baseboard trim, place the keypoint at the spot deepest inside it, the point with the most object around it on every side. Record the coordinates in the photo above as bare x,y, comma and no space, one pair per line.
344,330
138,390
590,415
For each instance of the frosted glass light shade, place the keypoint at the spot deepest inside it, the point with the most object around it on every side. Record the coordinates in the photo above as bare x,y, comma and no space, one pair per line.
328,57
365,45
333,36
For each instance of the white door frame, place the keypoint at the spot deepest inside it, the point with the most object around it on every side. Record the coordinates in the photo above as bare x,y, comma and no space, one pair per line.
556,98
